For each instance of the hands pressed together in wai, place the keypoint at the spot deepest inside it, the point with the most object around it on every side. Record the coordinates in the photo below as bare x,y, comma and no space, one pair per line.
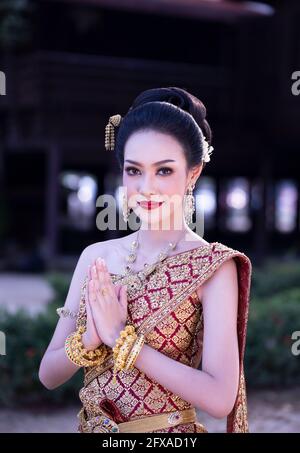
106,307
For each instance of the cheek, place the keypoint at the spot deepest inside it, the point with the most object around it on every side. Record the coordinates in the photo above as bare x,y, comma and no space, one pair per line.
169,188
128,181
131,185
172,185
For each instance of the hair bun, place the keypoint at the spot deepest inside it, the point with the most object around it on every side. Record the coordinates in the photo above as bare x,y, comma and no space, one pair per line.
180,98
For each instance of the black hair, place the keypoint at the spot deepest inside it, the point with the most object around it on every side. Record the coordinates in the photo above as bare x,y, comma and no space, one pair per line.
170,110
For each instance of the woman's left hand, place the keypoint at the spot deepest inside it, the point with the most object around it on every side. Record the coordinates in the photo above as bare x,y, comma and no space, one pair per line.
109,309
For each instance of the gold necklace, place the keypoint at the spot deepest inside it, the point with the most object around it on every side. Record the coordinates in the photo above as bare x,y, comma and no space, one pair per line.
135,281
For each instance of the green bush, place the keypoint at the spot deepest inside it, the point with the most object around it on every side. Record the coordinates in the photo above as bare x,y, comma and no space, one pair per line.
273,317
275,277
26,341
269,361
27,338
60,284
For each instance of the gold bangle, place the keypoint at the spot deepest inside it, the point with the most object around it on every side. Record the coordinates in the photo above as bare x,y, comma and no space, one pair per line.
91,354
129,330
124,351
72,352
133,355
122,348
120,360
81,356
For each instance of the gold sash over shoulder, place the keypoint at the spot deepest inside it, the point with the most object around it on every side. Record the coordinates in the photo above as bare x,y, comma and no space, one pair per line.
167,310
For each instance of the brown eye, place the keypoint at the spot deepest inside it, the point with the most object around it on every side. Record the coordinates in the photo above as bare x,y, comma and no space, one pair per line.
166,171
131,171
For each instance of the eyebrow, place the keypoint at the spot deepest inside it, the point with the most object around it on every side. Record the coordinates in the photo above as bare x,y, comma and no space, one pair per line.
155,163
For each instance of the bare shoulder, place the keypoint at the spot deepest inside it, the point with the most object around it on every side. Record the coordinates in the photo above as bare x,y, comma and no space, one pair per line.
223,279
101,249
227,270
111,251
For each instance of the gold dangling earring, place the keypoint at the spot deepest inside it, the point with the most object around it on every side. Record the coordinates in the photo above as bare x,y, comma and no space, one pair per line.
189,205
125,208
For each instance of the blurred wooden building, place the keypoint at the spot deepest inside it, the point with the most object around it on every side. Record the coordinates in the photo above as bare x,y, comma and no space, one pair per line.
83,61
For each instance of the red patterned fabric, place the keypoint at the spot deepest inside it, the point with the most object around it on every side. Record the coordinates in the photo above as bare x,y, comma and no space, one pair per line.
166,309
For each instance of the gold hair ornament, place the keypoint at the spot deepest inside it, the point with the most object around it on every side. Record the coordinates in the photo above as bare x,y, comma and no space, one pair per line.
114,121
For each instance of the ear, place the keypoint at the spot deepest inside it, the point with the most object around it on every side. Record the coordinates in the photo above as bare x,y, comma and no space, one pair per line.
196,172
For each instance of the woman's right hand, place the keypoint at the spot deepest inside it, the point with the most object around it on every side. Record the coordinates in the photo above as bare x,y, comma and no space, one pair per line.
90,338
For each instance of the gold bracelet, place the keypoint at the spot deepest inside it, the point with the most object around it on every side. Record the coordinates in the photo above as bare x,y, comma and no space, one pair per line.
71,352
124,352
129,330
120,360
122,348
133,355
76,355
80,356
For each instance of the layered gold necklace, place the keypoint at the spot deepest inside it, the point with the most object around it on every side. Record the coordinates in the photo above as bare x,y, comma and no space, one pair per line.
135,280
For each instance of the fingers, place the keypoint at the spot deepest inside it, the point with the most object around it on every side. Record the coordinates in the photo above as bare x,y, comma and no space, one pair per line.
87,304
90,300
93,283
118,288
99,275
89,315
104,281
90,321
123,296
92,292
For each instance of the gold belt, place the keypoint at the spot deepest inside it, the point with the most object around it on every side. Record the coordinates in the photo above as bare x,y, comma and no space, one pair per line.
103,423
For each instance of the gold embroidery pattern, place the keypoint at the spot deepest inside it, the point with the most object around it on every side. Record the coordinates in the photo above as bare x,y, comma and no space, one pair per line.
169,313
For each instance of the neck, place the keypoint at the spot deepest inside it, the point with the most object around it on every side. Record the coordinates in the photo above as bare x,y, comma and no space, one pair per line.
151,239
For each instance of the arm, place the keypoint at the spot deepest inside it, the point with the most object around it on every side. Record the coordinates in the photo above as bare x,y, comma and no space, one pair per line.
214,388
55,367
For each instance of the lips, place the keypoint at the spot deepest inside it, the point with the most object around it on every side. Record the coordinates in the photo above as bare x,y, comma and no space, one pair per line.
150,204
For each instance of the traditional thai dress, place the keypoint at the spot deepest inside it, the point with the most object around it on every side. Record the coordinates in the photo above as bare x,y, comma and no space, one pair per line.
165,308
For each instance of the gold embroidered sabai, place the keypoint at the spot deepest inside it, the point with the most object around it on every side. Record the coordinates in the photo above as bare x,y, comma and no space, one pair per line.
167,310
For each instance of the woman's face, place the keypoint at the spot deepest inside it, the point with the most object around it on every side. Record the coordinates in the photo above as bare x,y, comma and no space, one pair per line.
155,169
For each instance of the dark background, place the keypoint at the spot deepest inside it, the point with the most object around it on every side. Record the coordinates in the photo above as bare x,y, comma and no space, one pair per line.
69,65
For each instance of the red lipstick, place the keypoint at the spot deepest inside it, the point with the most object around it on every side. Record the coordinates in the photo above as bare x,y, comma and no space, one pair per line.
150,204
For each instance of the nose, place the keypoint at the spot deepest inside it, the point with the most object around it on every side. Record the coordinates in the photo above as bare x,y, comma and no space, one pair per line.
146,188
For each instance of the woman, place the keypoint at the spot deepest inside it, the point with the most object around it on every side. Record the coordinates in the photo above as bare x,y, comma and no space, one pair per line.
185,299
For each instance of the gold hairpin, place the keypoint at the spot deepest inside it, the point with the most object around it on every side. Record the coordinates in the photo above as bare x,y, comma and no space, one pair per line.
113,122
